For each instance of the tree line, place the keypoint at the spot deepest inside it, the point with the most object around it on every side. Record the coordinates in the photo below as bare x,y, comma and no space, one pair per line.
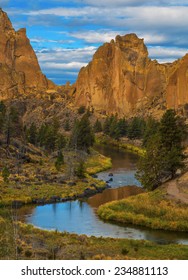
162,140
134,128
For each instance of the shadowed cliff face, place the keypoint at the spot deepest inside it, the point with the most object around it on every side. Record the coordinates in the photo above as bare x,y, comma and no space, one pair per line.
19,68
122,79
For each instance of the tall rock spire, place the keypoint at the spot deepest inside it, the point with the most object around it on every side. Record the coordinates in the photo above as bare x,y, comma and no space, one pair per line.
19,68
120,78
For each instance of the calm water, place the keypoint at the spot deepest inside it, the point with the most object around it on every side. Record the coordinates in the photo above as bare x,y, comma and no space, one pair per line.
123,167
81,218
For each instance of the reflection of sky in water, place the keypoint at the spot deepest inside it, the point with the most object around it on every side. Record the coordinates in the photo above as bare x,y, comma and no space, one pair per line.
120,178
79,217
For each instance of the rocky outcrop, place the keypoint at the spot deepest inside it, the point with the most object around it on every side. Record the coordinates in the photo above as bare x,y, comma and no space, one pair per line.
122,79
19,69
177,86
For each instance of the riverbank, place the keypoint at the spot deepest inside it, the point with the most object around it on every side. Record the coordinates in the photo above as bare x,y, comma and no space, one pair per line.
48,245
97,163
123,143
152,209
15,242
21,192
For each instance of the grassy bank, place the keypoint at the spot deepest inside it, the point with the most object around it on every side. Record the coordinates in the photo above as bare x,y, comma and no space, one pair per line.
97,163
26,192
33,243
121,144
150,209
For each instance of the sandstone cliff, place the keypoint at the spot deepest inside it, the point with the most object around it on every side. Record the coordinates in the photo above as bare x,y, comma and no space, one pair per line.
122,79
19,69
177,86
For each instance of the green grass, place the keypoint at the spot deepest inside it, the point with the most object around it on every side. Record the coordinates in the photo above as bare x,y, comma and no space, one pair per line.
150,209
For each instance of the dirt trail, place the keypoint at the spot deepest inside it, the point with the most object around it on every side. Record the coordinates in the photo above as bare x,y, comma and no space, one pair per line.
173,191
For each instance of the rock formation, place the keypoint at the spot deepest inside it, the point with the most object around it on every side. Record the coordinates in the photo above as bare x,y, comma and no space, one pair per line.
122,79
177,86
19,69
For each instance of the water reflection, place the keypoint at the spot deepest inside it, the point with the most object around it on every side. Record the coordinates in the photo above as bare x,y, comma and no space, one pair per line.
80,217
123,167
113,194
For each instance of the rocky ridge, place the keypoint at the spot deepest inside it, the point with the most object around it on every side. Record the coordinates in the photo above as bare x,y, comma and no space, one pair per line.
122,79
19,68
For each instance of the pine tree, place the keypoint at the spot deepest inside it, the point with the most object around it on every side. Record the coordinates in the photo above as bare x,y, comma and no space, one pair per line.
80,170
122,127
106,126
82,136
97,126
5,174
151,128
172,131
32,134
67,125
164,152
2,115
151,165
59,161
136,128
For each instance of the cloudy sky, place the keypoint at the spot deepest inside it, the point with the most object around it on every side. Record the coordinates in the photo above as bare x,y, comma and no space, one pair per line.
65,34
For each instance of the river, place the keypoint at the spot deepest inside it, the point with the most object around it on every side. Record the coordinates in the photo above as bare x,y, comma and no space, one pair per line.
81,218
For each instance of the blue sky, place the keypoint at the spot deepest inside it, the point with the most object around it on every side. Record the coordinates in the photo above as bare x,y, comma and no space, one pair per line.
65,34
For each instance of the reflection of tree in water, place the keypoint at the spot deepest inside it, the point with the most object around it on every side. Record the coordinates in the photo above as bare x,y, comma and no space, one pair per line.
165,237
113,194
54,208
120,158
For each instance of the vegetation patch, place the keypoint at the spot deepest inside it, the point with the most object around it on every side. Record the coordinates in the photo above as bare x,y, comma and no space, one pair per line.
21,241
97,163
47,192
150,209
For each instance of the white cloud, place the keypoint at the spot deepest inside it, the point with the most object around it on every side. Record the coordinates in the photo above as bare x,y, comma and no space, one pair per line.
163,23
92,36
138,18
117,3
65,12
153,38
43,40
66,55
168,54
64,62
71,65
102,36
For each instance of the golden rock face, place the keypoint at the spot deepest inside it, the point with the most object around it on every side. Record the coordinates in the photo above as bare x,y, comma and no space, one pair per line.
177,87
19,68
122,79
